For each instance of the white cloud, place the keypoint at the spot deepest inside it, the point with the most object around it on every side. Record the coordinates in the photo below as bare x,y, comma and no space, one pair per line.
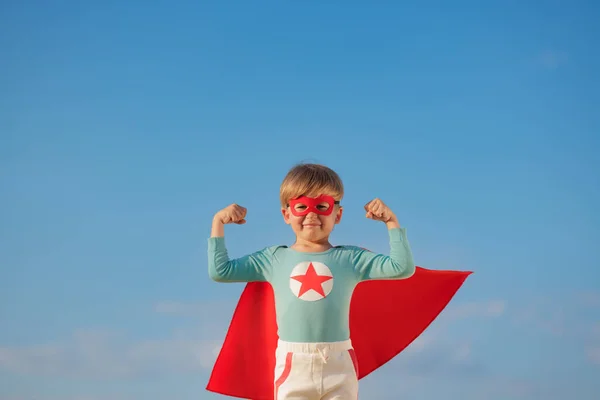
108,355
444,369
436,362
566,317
102,355
546,315
196,310
47,396
493,308
437,354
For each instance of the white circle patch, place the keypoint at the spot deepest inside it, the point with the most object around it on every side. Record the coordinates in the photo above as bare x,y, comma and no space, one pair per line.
311,281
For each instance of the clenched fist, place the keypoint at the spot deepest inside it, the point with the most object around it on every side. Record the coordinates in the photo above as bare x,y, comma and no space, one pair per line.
232,214
378,211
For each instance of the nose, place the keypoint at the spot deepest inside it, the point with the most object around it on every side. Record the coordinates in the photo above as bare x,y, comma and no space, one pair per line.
311,216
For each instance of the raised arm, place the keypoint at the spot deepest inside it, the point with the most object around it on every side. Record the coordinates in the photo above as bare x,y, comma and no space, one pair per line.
250,268
398,265
253,267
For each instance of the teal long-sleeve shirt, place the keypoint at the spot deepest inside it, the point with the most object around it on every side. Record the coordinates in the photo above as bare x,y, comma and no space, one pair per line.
312,289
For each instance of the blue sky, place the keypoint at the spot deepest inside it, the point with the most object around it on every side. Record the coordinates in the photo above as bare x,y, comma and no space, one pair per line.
124,127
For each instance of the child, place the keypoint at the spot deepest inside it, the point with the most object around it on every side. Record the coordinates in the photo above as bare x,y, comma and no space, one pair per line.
312,281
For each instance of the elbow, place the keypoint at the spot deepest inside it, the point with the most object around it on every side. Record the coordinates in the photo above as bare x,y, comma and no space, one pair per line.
216,275
405,270
219,270
411,268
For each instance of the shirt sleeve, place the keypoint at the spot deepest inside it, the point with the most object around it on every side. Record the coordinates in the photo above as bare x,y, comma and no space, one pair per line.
398,265
255,267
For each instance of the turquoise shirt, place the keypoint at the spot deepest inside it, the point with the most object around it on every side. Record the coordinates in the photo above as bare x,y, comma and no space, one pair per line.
312,290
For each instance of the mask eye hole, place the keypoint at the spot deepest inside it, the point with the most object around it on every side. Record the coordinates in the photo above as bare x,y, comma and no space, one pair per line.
300,207
323,207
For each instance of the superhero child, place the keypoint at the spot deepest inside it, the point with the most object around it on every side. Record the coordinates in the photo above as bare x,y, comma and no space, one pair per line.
313,282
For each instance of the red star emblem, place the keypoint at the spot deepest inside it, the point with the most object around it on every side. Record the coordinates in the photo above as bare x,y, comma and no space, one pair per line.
311,280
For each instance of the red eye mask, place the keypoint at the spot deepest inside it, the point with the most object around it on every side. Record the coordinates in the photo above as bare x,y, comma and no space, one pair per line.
304,205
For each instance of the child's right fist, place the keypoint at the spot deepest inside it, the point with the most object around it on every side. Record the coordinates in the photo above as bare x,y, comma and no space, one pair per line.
232,214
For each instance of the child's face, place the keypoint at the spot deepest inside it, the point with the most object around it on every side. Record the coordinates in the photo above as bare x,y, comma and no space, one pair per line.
311,218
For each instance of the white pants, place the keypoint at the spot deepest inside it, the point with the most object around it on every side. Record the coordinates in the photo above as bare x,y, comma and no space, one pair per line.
316,371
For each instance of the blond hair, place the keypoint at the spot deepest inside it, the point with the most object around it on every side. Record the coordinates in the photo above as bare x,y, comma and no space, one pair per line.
310,180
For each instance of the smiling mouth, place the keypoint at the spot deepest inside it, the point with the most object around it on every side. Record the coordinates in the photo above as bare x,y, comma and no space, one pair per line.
311,225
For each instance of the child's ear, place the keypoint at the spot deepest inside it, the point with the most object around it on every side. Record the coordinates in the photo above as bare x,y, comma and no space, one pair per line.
286,215
338,216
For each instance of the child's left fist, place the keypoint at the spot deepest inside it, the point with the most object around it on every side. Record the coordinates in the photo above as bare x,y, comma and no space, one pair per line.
378,211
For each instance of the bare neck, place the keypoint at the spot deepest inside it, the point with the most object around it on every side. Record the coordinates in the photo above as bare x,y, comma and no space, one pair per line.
311,246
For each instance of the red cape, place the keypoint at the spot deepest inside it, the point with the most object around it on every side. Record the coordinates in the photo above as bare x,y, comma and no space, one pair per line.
405,308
